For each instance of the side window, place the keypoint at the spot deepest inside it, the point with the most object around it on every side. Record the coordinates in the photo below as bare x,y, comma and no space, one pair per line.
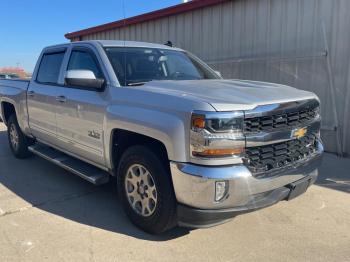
81,60
50,67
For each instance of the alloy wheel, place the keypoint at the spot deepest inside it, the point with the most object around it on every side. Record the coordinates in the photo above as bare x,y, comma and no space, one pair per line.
141,190
14,137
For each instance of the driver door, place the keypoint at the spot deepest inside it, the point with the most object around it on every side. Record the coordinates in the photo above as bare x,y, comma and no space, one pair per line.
80,112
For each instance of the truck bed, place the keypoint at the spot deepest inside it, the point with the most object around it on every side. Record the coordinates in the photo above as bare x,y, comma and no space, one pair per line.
14,83
14,92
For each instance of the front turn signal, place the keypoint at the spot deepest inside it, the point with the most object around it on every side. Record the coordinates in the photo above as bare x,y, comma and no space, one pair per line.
219,152
198,121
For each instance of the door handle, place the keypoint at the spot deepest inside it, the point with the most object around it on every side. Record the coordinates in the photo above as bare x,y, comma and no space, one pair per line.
31,93
61,99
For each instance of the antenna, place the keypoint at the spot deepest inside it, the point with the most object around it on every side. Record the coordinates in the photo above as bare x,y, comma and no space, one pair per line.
124,49
169,43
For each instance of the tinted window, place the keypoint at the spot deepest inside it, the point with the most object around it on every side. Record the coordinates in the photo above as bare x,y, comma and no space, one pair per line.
134,66
50,68
81,60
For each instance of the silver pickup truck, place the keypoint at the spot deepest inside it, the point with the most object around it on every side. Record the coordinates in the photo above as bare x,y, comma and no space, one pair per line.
186,147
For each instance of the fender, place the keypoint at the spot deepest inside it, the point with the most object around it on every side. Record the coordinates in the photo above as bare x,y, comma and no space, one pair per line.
167,128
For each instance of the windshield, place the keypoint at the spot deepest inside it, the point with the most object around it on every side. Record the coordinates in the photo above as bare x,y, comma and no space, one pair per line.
137,65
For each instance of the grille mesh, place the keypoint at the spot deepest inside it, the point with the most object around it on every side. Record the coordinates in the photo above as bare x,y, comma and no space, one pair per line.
279,121
265,158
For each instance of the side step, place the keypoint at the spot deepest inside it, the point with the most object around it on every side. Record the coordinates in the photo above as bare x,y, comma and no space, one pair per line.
86,171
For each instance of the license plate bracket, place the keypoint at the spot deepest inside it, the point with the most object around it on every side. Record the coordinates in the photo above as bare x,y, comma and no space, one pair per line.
297,188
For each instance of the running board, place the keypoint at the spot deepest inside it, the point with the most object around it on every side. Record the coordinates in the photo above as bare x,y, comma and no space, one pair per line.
86,171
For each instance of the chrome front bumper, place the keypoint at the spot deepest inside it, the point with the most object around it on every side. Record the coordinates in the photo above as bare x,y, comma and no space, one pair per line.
195,185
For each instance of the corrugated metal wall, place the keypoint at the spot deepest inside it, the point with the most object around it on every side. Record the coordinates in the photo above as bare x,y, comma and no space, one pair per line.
280,41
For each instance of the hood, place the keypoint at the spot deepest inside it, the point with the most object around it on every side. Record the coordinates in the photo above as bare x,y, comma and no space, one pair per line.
230,95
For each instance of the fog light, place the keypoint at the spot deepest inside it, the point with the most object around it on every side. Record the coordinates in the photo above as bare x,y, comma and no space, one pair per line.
221,188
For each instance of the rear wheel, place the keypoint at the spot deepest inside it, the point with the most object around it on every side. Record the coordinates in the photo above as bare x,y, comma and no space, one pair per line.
18,141
146,191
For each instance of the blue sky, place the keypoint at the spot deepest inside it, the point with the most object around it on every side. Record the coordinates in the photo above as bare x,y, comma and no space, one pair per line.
29,25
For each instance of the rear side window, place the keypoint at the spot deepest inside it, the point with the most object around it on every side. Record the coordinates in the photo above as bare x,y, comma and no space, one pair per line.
50,67
81,60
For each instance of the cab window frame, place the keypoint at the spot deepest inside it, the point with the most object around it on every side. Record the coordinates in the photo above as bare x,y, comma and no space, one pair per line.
46,53
97,62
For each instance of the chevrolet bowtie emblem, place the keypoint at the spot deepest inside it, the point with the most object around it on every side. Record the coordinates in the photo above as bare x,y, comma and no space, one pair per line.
299,133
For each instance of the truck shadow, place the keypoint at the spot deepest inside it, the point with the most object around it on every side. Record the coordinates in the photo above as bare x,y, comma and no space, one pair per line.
334,173
52,189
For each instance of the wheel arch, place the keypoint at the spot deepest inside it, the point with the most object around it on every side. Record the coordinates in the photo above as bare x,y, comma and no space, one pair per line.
7,110
122,139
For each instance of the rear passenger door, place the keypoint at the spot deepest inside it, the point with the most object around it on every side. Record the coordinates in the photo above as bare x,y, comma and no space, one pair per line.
42,94
81,113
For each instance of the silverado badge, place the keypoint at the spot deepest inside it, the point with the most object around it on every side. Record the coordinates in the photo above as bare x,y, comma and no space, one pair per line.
94,134
299,133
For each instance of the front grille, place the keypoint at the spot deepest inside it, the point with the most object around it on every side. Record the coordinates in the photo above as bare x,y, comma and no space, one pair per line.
262,159
280,121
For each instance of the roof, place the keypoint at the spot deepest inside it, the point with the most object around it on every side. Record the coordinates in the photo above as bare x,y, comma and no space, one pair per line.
118,43
173,10
115,43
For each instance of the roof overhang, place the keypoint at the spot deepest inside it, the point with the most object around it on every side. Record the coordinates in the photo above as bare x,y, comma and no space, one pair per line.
173,10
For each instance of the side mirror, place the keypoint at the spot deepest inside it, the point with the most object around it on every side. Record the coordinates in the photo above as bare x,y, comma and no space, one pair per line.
218,73
83,78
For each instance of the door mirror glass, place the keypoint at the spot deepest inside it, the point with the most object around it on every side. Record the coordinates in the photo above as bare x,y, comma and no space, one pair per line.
83,78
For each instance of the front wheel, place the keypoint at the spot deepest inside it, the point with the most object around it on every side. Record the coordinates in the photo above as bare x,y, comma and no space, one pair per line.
18,141
146,191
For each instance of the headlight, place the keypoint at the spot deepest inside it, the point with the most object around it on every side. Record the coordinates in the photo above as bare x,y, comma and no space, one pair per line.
217,135
317,112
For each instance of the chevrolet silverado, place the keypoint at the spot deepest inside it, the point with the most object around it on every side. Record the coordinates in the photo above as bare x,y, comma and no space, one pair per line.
187,147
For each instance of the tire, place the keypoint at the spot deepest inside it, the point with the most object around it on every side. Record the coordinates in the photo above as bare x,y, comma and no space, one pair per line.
18,141
160,214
